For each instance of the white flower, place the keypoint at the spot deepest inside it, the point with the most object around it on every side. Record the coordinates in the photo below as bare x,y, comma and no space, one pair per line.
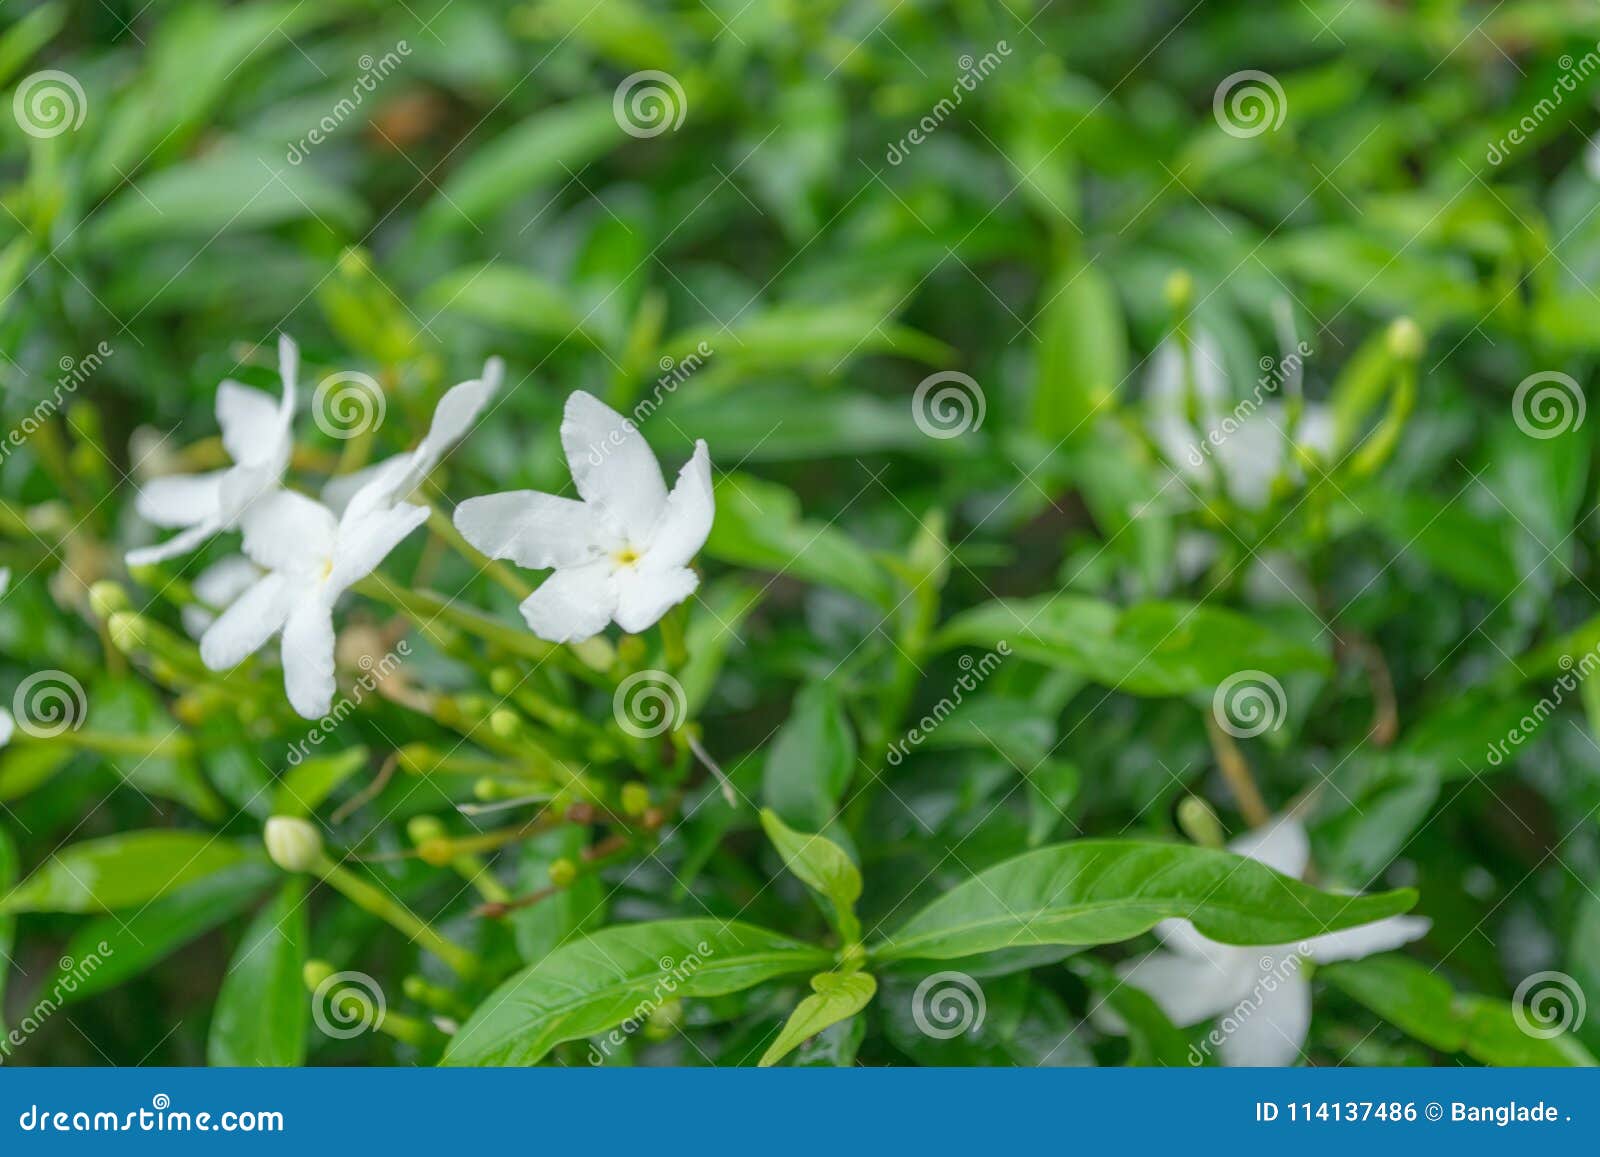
255,433
1248,442
621,550
1263,994
311,557
214,588
398,477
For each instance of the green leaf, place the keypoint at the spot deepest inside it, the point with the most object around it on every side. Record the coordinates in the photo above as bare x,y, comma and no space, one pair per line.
1153,648
1423,1005
513,298
1463,546
821,865
804,334
260,1016
305,786
550,145
838,996
1103,891
123,945
1154,1039
24,766
811,759
543,927
1083,351
231,188
759,525
129,707
598,982
123,871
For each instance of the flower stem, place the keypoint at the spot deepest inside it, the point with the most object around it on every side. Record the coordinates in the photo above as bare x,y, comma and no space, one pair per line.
1236,770
441,526
375,900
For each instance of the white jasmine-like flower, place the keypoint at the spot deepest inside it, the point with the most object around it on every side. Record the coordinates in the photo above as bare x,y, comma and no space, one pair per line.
1262,993
398,477
311,557
1249,442
255,433
214,588
621,550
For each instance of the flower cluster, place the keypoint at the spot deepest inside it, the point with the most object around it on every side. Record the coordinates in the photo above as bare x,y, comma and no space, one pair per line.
619,552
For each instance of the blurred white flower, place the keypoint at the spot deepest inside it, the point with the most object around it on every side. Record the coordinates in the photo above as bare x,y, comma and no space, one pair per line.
398,477
1249,442
1263,992
256,435
621,550
311,557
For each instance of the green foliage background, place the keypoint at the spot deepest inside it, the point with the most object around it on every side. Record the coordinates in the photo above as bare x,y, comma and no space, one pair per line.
1420,594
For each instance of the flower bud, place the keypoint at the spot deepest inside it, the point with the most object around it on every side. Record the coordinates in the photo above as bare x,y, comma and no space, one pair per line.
1199,822
106,598
295,845
126,631
1405,339
421,829
563,873
635,799
1178,290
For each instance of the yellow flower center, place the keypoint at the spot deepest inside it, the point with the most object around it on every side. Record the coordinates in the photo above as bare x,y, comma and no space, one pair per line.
627,556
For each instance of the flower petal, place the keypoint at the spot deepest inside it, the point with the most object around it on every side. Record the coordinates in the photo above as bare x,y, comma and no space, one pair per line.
249,622
180,543
180,499
612,466
249,421
341,488
454,415
367,542
1189,989
308,657
1367,939
644,596
686,521
1269,1030
531,529
572,604
1281,845
287,531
